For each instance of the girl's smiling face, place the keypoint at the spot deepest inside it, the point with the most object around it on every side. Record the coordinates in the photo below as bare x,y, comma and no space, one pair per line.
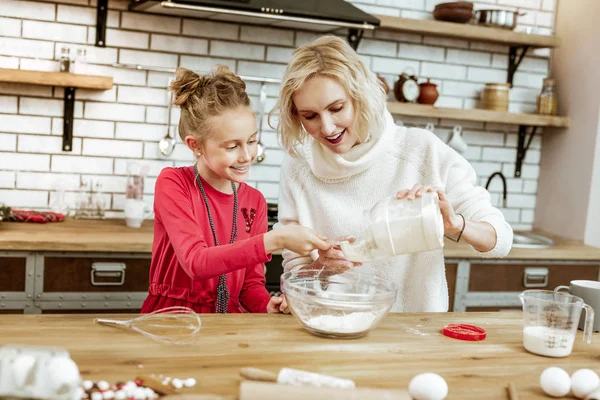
327,113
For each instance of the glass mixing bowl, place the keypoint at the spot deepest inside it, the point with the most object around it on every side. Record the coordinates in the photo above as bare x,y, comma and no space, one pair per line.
346,305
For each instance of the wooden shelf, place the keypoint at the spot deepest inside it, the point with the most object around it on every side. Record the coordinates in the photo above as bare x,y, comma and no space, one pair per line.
63,79
420,110
466,31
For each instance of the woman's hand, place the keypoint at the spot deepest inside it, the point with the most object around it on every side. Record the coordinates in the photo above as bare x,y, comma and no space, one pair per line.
453,223
278,305
333,260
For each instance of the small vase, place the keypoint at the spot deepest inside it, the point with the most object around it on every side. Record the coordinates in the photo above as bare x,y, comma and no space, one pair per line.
384,84
428,94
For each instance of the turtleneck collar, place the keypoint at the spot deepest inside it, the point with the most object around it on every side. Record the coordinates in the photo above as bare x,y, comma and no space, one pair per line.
332,167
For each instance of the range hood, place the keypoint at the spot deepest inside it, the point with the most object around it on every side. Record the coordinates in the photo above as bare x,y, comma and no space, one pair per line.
315,15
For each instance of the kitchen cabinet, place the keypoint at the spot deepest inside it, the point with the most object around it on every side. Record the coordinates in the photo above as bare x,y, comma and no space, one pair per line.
493,285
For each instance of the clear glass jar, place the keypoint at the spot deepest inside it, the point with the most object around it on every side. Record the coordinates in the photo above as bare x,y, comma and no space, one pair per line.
546,102
78,66
397,227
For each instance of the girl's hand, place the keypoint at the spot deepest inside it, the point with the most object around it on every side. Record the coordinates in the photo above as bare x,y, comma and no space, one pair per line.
299,239
278,305
452,222
333,261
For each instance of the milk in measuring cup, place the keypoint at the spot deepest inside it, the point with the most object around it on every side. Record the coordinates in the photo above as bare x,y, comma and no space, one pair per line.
547,341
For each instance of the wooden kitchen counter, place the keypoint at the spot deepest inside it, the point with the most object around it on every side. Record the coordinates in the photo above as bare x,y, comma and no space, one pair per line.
402,346
113,236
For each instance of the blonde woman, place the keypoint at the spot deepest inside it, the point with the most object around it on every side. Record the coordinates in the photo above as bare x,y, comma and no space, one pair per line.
345,153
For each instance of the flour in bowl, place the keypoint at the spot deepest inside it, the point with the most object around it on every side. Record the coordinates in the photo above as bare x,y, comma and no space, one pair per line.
351,323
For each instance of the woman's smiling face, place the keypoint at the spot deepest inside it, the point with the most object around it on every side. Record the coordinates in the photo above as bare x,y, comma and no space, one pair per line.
327,113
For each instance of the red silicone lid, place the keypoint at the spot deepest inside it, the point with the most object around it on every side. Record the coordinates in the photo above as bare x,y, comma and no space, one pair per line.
464,332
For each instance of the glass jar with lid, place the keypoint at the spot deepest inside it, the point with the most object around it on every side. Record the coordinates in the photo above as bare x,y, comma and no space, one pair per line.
546,103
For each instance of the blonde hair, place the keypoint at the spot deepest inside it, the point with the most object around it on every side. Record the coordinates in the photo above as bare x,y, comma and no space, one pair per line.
204,96
331,57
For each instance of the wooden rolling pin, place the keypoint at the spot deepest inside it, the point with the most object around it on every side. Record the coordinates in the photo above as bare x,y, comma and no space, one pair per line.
288,376
252,390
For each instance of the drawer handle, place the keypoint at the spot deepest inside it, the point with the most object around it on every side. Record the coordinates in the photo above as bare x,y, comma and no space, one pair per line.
535,277
108,270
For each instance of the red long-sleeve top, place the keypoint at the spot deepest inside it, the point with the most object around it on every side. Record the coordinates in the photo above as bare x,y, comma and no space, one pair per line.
186,264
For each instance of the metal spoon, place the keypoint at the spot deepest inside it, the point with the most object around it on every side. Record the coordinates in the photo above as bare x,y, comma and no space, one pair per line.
166,144
260,155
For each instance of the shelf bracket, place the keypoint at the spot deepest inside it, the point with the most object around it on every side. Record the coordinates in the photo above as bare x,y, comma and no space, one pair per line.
68,119
354,36
514,59
522,147
101,17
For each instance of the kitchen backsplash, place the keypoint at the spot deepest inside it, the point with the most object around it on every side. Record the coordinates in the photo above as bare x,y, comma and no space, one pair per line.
124,124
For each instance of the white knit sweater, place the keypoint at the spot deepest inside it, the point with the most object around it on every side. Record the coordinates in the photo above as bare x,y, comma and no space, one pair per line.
328,192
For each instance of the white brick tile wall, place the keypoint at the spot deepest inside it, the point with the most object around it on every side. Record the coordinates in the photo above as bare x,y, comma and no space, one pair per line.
24,124
24,162
140,95
10,27
438,70
512,215
45,145
7,179
136,40
265,35
26,48
476,74
393,12
124,124
39,65
151,23
221,48
155,166
420,52
8,142
76,15
8,104
261,69
378,47
176,44
112,148
520,201
206,64
148,58
114,112
82,165
9,62
144,132
445,42
279,54
393,65
24,198
529,186
468,57
55,32
210,29
47,181
23,9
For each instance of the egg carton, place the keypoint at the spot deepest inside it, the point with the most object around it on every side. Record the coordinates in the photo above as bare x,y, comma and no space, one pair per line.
38,373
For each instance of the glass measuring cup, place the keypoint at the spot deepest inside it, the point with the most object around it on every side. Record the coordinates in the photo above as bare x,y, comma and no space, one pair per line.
550,322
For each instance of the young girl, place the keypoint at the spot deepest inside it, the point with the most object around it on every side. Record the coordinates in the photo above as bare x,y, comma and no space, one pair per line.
210,228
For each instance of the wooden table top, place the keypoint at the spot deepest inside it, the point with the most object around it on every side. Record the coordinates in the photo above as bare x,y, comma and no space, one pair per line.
402,346
113,236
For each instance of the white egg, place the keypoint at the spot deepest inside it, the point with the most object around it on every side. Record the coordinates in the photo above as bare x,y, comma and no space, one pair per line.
428,386
189,382
555,382
22,369
595,395
62,375
583,382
